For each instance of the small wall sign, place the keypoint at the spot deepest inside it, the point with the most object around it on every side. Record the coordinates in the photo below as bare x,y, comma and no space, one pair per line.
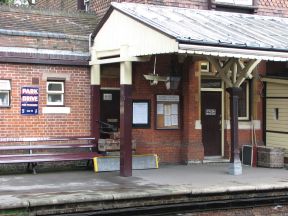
210,112
29,100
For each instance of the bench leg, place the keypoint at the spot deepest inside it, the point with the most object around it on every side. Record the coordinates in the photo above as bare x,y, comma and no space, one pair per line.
28,167
89,164
33,166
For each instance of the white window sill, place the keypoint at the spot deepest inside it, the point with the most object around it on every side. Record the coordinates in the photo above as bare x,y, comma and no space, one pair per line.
56,110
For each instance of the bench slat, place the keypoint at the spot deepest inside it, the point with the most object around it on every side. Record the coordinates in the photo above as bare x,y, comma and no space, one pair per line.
34,147
49,158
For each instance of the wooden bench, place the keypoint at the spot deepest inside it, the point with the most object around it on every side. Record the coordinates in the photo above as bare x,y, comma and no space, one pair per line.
35,150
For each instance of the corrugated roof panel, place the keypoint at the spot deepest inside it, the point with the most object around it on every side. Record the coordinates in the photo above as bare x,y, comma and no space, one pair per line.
212,27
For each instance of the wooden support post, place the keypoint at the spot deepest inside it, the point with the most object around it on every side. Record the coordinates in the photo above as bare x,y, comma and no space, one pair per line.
235,167
126,131
95,102
126,119
240,72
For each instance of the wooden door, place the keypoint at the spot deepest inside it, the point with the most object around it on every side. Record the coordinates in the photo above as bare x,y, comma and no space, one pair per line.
211,122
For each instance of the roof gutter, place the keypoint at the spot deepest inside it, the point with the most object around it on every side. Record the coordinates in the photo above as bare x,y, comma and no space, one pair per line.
232,52
207,43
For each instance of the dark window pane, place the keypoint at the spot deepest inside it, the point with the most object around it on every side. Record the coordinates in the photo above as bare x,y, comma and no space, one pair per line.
242,106
54,87
210,83
54,98
4,98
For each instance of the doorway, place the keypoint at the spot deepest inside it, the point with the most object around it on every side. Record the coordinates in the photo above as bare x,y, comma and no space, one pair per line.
211,120
109,110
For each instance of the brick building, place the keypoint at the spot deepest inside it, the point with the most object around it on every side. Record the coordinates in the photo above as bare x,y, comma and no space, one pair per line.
45,49
172,126
188,138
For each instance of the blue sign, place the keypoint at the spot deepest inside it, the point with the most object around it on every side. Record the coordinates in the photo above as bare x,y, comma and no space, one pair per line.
29,100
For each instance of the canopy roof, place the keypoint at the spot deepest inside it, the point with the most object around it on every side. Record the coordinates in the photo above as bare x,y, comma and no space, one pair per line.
206,32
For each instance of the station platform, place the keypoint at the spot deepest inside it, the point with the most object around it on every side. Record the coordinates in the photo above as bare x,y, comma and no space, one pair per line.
75,192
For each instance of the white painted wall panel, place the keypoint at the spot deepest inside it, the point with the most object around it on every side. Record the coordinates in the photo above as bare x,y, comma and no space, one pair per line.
120,30
279,140
280,124
277,90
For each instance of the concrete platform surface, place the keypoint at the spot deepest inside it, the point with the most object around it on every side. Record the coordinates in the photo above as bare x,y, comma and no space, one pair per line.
43,189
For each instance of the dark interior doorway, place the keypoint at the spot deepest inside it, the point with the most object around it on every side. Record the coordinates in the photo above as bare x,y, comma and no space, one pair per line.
109,111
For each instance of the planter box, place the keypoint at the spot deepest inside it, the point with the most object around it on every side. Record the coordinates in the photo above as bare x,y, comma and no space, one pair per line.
270,157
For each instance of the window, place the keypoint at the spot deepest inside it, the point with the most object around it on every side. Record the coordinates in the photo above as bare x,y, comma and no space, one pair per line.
238,6
204,67
55,93
167,112
243,105
5,91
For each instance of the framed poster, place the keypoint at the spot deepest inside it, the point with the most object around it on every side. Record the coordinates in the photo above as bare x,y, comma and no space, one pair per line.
167,116
141,114
29,100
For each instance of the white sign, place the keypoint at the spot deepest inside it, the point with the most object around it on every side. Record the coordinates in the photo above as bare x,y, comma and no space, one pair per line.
168,98
210,112
236,2
140,113
107,97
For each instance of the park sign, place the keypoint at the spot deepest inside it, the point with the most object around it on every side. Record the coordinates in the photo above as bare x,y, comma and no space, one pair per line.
236,2
29,100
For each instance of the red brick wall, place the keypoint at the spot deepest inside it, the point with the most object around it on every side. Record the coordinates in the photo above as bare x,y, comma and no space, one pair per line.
192,138
77,97
165,143
44,43
197,4
100,7
264,7
57,4
273,7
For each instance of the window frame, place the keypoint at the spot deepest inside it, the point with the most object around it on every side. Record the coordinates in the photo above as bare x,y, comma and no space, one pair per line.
142,125
62,92
8,92
247,117
230,7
